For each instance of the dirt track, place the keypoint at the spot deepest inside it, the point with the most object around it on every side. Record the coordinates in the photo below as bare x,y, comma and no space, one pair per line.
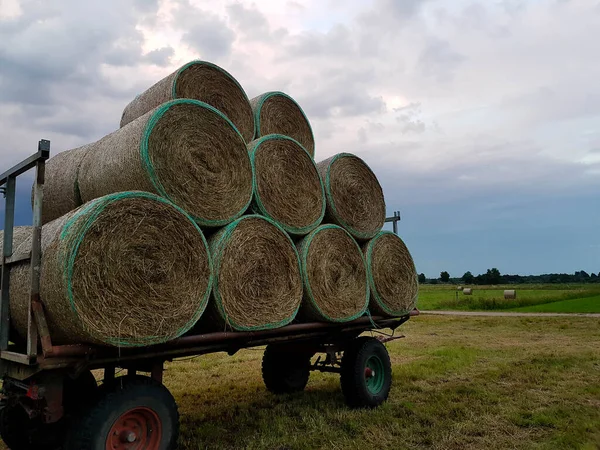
508,314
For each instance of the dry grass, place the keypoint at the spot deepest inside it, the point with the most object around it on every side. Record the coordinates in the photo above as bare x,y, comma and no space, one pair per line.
459,383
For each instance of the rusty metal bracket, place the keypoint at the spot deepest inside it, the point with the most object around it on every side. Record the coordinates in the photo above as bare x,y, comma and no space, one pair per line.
384,339
42,325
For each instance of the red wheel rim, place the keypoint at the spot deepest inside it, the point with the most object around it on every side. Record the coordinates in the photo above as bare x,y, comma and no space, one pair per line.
137,429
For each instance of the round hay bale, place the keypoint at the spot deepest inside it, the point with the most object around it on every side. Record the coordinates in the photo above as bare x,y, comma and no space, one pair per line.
257,283
459,288
287,186
128,269
199,80
467,291
510,294
334,275
61,191
392,275
354,196
278,113
185,151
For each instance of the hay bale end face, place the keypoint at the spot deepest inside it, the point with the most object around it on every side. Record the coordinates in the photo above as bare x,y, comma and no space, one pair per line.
61,190
199,80
257,285
354,196
510,294
278,113
287,185
392,275
113,273
467,291
185,151
334,276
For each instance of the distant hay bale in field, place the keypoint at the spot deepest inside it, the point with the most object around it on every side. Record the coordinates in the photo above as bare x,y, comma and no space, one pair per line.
467,291
61,191
113,273
354,196
459,288
278,113
258,284
198,80
287,185
334,275
392,275
185,151
510,294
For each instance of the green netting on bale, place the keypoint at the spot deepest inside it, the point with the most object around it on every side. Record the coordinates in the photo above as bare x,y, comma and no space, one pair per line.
287,118
332,212
198,80
310,305
218,244
150,168
295,189
406,279
72,234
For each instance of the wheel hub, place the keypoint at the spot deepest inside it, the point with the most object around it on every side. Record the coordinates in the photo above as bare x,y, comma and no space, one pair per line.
136,429
374,374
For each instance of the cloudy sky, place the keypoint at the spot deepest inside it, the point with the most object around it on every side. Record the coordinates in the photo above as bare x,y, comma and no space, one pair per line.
480,117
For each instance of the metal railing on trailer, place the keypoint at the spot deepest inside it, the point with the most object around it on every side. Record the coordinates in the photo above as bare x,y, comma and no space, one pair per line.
37,321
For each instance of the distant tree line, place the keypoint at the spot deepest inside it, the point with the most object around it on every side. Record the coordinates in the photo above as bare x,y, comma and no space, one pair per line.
493,276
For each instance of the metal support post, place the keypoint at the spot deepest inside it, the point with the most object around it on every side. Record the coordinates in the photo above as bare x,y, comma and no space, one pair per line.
9,218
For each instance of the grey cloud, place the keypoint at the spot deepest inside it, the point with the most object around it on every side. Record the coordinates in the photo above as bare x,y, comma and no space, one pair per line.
439,60
337,42
51,60
249,21
408,119
206,32
160,57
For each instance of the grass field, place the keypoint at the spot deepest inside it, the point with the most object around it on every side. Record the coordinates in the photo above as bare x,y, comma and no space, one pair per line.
459,383
569,298
579,305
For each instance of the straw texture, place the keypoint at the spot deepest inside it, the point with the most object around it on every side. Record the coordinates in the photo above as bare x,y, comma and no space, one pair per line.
257,284
278,113
185,151
354,196
287,186
334,275
128,269
61,191
199,80
392,275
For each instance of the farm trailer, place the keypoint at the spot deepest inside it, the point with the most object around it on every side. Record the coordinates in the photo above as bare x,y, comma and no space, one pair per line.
51,399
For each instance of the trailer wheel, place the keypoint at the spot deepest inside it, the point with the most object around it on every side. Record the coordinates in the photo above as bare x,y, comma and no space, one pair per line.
79,392
366,375
136,414
284,370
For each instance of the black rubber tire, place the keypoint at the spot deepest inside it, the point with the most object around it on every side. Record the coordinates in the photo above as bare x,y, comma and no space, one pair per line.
79,392
91,431
19,432
284,370
353,378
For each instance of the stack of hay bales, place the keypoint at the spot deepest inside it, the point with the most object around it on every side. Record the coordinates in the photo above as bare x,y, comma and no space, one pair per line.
125,261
